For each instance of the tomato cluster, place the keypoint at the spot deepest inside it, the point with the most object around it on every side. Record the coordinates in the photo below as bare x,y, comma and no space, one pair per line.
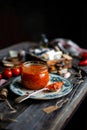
10,72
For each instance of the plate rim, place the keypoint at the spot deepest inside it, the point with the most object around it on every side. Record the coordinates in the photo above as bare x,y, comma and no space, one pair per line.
41,98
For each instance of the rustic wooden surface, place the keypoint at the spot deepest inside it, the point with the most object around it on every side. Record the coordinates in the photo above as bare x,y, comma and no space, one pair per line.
30,115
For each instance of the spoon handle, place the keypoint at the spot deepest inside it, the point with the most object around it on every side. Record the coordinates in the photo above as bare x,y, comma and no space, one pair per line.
24,97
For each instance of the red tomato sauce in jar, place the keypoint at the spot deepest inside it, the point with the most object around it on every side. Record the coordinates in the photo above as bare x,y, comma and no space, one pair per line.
34,76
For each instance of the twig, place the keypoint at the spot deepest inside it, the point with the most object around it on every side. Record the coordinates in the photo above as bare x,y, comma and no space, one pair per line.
13,109
75,89
3,118
61,102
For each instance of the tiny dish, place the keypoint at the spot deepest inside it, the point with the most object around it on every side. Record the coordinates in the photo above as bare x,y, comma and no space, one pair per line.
11,61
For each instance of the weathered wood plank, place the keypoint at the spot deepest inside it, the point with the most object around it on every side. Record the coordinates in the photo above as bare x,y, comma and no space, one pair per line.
30,115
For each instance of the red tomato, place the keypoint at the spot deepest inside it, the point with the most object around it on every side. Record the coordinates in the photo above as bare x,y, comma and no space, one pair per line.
0,76
7,73
16,71
83,63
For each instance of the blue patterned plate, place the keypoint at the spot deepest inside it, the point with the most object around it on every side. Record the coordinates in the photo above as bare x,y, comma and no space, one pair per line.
17,88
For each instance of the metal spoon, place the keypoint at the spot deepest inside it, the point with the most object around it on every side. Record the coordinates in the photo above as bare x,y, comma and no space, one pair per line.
48,87
24,97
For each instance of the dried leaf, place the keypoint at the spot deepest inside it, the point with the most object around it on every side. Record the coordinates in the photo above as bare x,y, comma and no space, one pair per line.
50,109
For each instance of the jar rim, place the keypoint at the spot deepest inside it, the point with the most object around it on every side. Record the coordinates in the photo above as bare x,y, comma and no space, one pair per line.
27,63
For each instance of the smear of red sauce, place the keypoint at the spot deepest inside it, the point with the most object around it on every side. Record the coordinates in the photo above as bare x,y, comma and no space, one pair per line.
55,86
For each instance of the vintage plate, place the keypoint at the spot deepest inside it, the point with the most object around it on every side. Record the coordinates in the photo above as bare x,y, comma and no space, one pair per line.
17,88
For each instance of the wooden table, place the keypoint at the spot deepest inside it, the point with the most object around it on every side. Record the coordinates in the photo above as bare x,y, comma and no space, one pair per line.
30,114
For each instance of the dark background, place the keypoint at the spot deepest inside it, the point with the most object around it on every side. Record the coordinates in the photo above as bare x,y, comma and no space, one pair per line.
27,20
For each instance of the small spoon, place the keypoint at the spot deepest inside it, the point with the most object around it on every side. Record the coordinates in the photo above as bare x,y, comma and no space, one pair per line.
51,87
24,97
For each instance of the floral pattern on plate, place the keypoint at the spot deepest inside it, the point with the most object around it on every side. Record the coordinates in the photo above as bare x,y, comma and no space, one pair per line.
17,88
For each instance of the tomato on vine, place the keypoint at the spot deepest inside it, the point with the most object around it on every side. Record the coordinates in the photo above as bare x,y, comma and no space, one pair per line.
7,73
16,71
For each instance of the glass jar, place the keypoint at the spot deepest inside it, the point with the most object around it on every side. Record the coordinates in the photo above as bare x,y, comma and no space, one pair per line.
34,75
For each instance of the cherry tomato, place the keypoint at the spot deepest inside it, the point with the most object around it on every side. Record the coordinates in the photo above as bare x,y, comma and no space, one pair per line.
7,73
83,63
0,75
16,71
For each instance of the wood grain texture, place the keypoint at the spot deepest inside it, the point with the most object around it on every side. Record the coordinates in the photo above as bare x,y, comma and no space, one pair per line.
30,114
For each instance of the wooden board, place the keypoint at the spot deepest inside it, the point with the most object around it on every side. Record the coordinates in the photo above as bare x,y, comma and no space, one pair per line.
30,114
